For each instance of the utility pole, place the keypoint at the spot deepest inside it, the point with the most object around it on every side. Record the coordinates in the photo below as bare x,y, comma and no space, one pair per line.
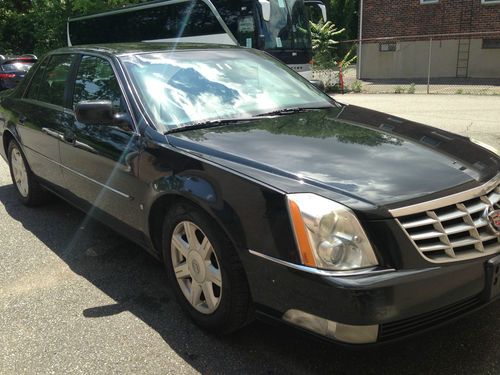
360,39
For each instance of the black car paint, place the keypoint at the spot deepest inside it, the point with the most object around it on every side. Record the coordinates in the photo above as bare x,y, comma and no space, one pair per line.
335,150
240,174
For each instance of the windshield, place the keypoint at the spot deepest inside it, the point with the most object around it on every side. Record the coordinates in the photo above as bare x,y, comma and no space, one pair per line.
185,87
288,27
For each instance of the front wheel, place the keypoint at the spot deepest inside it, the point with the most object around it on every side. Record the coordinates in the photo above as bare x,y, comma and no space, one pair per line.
27,187
205,271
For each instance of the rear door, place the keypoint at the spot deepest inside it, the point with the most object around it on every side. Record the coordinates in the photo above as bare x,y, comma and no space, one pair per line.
100,166
44,117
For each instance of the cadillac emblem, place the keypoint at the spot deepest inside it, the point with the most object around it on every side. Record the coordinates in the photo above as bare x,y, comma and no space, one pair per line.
494,220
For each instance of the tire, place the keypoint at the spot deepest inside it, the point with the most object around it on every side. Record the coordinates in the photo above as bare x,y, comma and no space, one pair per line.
28,190
214,266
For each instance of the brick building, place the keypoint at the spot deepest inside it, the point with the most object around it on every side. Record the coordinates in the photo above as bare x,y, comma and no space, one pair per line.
408,25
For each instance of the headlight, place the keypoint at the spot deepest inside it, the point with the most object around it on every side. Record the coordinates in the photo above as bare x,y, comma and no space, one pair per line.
328,234
485,145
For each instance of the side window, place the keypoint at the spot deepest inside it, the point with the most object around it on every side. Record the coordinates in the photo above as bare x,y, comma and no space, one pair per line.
37,79
53,84
96,81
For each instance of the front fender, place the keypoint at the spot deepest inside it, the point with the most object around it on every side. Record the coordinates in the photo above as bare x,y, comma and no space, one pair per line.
202,190
252,215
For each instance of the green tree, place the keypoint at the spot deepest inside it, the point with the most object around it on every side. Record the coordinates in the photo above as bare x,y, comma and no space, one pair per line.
324,44
344,14
328,53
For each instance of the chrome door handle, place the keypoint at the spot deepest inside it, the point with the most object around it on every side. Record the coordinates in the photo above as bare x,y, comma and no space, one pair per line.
85,147
52,133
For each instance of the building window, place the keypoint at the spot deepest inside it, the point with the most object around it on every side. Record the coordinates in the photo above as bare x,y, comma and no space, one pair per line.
430,1
388,47
491,43
490,1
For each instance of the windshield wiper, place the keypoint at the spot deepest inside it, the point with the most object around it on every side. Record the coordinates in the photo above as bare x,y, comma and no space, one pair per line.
221,122
290,111
209,124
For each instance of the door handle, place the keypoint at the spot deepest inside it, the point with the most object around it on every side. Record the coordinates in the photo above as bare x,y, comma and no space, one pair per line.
69,137
84,146
52,133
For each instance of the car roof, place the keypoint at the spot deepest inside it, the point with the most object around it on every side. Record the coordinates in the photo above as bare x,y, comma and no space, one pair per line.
119,49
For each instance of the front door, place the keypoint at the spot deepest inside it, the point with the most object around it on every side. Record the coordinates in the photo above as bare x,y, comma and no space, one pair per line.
99,166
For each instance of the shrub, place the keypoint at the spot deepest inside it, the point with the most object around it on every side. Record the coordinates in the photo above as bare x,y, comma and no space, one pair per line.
399,90
326,49
357,86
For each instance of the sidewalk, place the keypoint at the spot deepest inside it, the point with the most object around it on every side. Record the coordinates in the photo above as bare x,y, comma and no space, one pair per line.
473,116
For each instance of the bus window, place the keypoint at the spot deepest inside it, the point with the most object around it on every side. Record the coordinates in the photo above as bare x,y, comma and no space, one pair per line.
317,11
239,17
186,19
288,26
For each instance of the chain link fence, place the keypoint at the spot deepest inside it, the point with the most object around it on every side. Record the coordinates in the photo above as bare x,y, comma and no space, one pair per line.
466,64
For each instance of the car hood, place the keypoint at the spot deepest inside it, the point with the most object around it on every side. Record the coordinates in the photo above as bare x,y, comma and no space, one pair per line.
365,155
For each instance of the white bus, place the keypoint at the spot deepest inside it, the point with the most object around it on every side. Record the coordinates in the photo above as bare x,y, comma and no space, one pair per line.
279,27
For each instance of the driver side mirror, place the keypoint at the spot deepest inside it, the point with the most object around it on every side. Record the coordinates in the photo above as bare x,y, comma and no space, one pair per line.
98,112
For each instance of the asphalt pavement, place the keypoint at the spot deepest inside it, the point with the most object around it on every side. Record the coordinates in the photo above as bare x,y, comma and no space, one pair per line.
76,298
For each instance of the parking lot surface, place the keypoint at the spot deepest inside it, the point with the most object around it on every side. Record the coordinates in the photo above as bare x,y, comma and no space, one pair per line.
75,298
476,116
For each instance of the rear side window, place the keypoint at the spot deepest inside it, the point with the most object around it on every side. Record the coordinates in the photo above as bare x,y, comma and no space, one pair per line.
53,84
37,79
21,88
96,80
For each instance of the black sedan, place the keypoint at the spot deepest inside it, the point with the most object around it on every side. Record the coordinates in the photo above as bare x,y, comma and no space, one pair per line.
13,70
262,195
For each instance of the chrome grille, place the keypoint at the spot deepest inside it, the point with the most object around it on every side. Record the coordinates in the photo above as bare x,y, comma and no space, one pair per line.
455,232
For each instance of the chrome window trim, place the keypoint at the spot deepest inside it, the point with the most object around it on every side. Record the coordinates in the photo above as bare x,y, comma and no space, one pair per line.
448,200
321,272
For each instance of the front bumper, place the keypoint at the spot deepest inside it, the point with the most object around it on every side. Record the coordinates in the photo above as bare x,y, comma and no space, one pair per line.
399,302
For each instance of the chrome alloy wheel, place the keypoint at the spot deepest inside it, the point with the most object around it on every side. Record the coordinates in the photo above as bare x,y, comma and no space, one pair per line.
19,172
196,267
